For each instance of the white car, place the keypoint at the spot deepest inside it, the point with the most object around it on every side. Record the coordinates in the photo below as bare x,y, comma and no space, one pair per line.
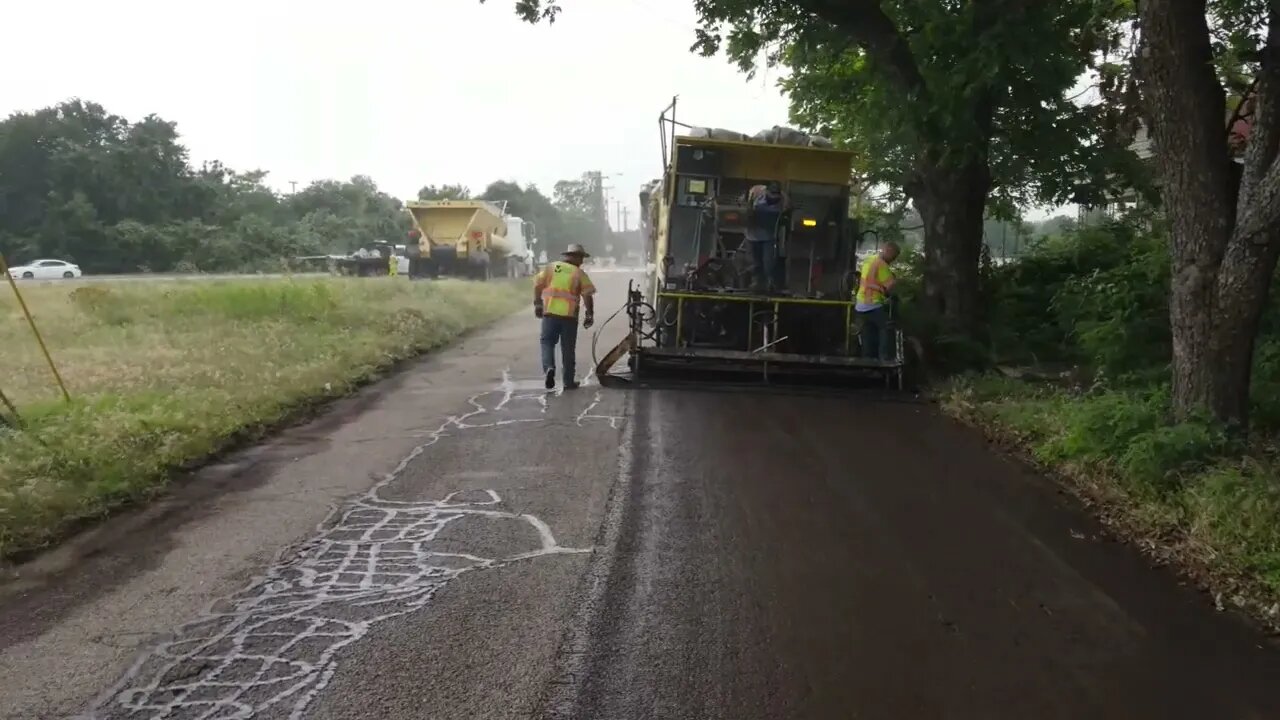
46,270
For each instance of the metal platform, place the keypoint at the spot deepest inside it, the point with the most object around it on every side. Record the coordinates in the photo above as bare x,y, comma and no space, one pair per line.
770,357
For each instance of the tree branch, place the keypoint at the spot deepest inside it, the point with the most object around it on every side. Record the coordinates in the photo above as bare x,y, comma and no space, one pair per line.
1257,206
875,32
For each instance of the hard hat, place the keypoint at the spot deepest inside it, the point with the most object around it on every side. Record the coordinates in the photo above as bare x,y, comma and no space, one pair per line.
576,249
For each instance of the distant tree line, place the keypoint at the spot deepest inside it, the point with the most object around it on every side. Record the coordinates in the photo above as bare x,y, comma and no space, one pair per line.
81,184
575,213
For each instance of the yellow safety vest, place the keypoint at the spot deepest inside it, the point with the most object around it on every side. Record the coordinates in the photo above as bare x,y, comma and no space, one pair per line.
871,288
562,290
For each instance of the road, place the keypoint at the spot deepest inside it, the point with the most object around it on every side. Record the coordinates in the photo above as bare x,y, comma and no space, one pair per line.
457,543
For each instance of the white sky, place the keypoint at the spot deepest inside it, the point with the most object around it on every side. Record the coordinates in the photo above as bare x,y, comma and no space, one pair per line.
410,92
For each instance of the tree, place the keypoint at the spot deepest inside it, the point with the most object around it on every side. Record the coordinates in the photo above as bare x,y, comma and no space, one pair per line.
953,100
79,183
444,192
1224,217
581,196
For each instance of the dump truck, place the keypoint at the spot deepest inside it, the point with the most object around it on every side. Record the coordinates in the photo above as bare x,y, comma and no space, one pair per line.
698,315
522,236
461,238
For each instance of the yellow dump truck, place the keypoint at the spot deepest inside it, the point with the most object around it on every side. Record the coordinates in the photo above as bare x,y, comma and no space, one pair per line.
463,238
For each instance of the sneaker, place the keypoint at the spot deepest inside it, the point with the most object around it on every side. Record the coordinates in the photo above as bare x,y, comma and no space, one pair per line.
551,379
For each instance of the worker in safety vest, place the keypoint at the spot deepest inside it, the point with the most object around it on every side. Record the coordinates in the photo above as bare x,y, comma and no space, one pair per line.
875,283
393,264
556,295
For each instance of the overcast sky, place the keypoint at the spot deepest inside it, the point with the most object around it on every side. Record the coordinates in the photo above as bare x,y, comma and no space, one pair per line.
410,92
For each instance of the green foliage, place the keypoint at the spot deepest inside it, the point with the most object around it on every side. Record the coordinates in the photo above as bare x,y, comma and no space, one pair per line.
1096,296
80,184
1133,431
1233,509
1167,480
444,192
921,81
575,215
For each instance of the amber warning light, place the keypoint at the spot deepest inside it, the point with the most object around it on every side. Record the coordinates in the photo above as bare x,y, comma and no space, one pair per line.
807,222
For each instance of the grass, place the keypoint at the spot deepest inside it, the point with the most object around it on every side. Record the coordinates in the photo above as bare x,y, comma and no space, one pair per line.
1184,490
166,374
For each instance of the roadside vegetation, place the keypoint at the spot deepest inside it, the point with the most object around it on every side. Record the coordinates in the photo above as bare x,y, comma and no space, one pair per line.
1157,397
1081,347
166,374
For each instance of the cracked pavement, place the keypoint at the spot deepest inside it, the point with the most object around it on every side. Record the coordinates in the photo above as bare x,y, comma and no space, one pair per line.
458,543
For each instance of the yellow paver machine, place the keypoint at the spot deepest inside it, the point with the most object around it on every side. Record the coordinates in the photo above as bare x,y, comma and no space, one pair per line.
699,315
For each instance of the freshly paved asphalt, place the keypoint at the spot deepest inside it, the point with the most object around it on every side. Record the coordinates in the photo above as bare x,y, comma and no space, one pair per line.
497,552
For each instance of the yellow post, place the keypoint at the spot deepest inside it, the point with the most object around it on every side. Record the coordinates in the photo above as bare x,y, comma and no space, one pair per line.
4,268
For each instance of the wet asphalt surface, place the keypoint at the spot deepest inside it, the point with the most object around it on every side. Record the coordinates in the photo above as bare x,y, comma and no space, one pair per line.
495,551
785,557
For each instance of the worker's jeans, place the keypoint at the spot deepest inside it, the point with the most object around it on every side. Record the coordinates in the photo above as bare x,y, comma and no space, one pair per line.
767,268
877,334
563,330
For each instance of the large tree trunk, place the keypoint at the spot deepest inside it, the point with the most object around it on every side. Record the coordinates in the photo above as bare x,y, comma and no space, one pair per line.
1225,225
952,203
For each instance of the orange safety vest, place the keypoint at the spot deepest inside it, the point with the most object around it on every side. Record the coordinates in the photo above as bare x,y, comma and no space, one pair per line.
563,288
871,288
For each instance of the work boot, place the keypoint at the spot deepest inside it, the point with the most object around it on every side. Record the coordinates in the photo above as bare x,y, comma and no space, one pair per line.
551,379
572,385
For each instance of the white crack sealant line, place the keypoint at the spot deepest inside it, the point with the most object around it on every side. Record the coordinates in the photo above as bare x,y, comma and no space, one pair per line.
587,413
270,649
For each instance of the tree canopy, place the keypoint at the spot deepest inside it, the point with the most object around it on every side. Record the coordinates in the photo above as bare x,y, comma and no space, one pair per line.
82,184
961,106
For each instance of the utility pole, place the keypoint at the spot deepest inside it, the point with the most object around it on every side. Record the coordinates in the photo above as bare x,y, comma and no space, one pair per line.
293,184
625,220
601,203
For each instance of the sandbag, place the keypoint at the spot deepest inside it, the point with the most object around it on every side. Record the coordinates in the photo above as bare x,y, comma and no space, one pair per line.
779,135
717,134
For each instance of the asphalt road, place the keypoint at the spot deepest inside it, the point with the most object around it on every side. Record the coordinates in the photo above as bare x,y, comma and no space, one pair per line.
457,543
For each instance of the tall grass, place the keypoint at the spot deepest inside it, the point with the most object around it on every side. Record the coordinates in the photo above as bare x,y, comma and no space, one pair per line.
1188,487
163,374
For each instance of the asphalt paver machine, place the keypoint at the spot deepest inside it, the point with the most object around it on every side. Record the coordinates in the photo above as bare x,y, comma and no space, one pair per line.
698,315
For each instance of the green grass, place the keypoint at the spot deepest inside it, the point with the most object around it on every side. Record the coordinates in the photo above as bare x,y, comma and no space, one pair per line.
1185,488
164,374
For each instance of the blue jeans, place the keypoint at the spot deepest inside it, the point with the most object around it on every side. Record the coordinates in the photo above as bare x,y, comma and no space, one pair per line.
877,334
768,271
563,330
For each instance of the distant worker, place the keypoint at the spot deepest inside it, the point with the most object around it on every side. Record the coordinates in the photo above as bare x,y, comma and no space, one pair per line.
876,281
765,205
556,293
393,265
